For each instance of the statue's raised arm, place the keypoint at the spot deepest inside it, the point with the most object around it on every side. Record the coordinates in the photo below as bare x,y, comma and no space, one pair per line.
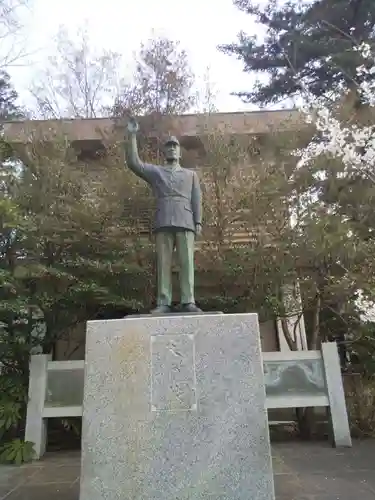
143,170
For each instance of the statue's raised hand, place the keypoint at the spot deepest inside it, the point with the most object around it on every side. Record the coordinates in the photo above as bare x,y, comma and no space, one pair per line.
133,126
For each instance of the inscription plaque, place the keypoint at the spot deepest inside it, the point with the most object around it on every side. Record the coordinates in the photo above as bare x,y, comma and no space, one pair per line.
173,380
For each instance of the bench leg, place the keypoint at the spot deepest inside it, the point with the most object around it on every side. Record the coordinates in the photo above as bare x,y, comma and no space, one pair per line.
36,425
336,396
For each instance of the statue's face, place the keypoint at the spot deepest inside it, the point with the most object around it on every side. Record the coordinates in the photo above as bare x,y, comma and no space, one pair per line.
172,152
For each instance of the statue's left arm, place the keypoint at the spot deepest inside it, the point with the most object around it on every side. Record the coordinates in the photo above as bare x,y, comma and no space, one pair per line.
196,203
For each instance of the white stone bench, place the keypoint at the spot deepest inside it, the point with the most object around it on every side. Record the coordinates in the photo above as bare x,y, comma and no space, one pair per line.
293,379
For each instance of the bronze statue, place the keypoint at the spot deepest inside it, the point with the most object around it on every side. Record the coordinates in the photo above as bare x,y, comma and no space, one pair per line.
178,218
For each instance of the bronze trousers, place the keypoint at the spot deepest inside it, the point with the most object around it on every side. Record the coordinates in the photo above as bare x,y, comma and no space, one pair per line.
183,242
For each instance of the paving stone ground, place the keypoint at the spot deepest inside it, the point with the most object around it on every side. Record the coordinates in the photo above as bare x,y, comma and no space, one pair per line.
302,471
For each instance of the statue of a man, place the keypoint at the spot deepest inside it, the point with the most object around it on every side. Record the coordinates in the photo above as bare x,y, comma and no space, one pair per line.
178,219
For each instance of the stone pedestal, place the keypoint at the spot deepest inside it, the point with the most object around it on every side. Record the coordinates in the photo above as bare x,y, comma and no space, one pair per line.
174,408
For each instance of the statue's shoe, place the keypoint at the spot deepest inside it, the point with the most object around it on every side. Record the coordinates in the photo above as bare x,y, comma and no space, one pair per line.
191,308
161,310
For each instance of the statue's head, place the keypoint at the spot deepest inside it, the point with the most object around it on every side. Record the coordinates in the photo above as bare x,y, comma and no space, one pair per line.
172,150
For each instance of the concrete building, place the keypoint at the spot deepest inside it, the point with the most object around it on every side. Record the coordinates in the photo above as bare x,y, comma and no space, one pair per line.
89,137
89,134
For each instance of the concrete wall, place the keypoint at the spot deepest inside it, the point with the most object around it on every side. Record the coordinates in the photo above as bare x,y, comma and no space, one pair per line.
253,122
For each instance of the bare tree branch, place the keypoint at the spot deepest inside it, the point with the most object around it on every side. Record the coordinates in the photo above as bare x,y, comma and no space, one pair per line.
12,38
162,84
77,82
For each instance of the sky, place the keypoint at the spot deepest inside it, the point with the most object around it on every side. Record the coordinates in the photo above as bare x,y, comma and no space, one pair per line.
121,26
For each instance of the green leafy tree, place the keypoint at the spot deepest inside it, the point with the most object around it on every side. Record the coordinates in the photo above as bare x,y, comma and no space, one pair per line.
79,247
9,108
17,322
16,318
69,250
305,45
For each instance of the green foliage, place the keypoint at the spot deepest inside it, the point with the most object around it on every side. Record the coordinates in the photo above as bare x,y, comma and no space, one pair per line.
362,349
77,245
12,388
13,400
17,452
306,43
10,414
8,96
360,399
66,254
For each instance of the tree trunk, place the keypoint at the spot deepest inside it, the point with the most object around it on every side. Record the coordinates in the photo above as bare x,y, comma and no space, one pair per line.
306,416
292,344
313,341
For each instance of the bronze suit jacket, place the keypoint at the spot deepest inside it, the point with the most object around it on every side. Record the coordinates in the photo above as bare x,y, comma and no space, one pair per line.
178,195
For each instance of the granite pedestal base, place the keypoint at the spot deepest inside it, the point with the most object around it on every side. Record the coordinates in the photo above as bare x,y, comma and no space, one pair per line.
174,408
